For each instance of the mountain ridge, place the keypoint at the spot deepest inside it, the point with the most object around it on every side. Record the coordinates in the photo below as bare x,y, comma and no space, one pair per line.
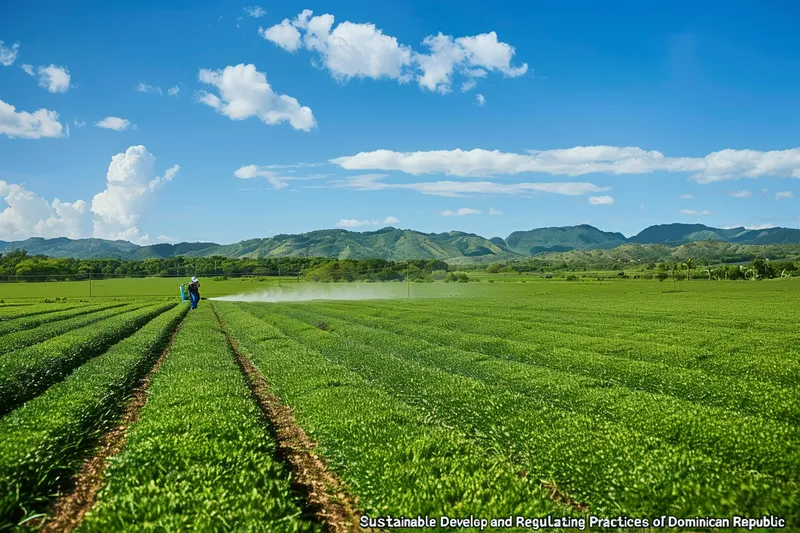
401,244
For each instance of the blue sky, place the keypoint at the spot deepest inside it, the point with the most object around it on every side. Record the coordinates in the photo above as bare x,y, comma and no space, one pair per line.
542,114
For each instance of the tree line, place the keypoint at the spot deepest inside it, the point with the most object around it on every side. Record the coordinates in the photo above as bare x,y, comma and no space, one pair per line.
19,266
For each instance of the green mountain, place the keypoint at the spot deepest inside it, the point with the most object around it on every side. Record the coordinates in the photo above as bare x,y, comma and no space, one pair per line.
677,234
398,244
563,239
387,243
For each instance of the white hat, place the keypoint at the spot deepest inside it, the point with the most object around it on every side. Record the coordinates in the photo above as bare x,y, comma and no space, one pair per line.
194,279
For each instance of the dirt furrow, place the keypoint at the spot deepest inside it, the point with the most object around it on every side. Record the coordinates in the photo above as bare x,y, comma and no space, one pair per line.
324,494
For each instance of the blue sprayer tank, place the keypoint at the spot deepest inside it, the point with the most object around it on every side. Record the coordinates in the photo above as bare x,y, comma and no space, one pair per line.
183,294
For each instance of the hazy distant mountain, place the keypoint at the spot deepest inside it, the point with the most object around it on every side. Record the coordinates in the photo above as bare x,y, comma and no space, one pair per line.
397,244
676,234
563,239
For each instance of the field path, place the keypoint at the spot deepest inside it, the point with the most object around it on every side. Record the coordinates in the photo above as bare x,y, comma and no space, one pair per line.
68,510
323,492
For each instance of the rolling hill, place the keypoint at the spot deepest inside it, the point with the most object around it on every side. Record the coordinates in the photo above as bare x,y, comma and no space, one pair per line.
399,244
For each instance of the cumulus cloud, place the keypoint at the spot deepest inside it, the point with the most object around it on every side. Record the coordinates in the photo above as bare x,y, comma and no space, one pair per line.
54,79
29,215
244,92
601,200
166,238
456,189
8,54
460,212
112,214
131,184
580,160
114,123
740,194
28,69
480,99
143,87
494,212
686,197
361,50
284,35
24,125
79,123
174,90
695,212
255,11
355,223
784,194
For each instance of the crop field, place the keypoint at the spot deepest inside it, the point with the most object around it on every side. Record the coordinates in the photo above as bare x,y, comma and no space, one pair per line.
637,399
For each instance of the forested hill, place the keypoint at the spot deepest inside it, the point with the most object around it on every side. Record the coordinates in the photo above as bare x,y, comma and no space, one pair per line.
399,245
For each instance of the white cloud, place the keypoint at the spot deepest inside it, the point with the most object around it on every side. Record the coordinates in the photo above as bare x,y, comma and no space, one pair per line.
601,200
29,215
8,55
166,238
372,182
580,160
130,189
54,79
695,212
28,69
255,11
79,123
174,90
361,50
740,194
355,223
244,92
41,123
113,213
145,88
481,100
468,85
114,123
277,180
494,212
784,194
460,212
686,197
284,35
759,226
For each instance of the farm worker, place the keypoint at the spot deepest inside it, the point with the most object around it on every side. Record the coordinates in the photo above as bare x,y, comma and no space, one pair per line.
194,292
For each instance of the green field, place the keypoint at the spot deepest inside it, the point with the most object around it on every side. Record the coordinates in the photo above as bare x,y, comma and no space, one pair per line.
572,399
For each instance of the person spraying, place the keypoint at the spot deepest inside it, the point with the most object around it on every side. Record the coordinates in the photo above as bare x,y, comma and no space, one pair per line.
194,292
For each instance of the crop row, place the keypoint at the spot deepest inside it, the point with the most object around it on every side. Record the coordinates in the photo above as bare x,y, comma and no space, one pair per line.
748,396
21,339
726,435
741,353
199,458
28,322
27,372
43,442
13,313
605,465
393,457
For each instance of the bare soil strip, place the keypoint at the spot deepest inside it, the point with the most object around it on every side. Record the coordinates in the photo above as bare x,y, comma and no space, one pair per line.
68,511
324,494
